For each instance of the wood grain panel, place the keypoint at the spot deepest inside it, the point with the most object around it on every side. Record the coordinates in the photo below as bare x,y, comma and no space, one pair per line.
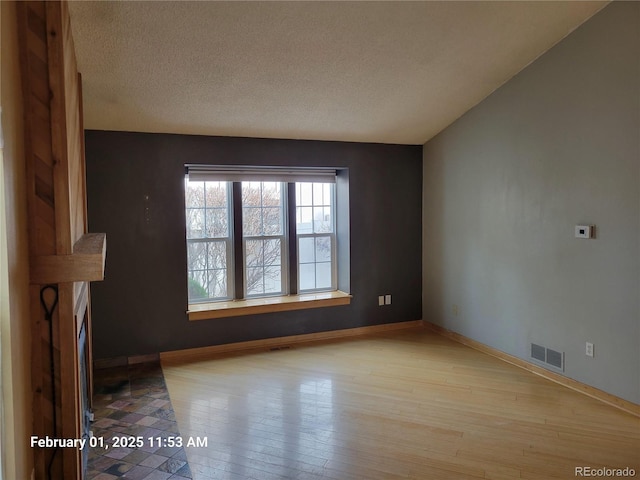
59,145
57,216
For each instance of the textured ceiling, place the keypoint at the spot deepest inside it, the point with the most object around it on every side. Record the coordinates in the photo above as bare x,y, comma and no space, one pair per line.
390,72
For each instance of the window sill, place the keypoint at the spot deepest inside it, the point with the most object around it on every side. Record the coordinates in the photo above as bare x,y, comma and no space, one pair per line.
255,306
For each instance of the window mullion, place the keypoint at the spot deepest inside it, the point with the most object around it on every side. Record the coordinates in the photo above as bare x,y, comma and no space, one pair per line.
292,239
238,244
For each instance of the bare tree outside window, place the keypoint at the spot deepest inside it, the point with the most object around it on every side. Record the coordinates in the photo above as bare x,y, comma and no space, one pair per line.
208,239
263,232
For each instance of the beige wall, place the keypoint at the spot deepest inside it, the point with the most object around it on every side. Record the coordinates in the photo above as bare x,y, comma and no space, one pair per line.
17,461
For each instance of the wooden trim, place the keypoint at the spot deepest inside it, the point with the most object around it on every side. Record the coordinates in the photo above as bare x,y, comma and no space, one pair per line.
86,263
59,128
256,306
194,354
583,388
69,381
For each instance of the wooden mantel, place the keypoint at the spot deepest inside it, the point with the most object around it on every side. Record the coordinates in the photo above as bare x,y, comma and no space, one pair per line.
85,264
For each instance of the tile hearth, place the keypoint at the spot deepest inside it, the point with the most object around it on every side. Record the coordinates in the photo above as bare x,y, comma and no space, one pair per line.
134,419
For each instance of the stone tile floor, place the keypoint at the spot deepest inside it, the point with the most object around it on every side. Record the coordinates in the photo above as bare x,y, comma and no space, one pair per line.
132,403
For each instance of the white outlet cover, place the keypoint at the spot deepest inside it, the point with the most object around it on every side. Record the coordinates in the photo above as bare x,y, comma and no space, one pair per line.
589,349
387,299
380,300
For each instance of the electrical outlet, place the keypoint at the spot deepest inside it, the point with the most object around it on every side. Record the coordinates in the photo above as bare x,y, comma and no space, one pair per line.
380,300
454,309
387,299
589,349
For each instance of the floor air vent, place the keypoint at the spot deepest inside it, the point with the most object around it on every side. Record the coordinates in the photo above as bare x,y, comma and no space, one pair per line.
548,356
284,347
538,352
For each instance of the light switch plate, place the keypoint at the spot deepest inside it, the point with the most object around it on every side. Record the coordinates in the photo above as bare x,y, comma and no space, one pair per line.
584,231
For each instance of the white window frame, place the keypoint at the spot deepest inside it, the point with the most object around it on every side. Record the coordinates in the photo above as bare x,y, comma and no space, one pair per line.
228,241
235,175
333,236
284,247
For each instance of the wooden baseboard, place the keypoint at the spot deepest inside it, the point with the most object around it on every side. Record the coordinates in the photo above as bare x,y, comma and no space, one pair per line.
194,354
585,389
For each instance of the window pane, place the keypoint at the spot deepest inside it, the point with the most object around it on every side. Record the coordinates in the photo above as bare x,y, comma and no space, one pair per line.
207,221
263,272
306,250
307,276
194,194
305,196
253,253
207,270
251,194
323,249
304,219
318,197
272,279
217,223
195,223
262,209
196,256
207,213
323,275
217,255
315,219
251,221
322,220
272,221
255,280
216,194
314,208
197,282
217,287
327,192
272,252
271,194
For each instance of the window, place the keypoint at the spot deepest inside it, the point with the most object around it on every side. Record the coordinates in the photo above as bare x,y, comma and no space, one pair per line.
208,240
253,235
263,238
315,228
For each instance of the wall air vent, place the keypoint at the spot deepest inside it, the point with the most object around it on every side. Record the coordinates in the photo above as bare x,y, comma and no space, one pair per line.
548,356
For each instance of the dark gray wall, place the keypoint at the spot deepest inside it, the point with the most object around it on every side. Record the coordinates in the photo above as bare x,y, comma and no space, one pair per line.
140,306
556,146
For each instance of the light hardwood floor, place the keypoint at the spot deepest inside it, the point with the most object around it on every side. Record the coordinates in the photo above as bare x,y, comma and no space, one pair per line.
409,404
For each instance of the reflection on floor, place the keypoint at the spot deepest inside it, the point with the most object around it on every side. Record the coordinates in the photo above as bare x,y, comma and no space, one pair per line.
132,401
408,405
